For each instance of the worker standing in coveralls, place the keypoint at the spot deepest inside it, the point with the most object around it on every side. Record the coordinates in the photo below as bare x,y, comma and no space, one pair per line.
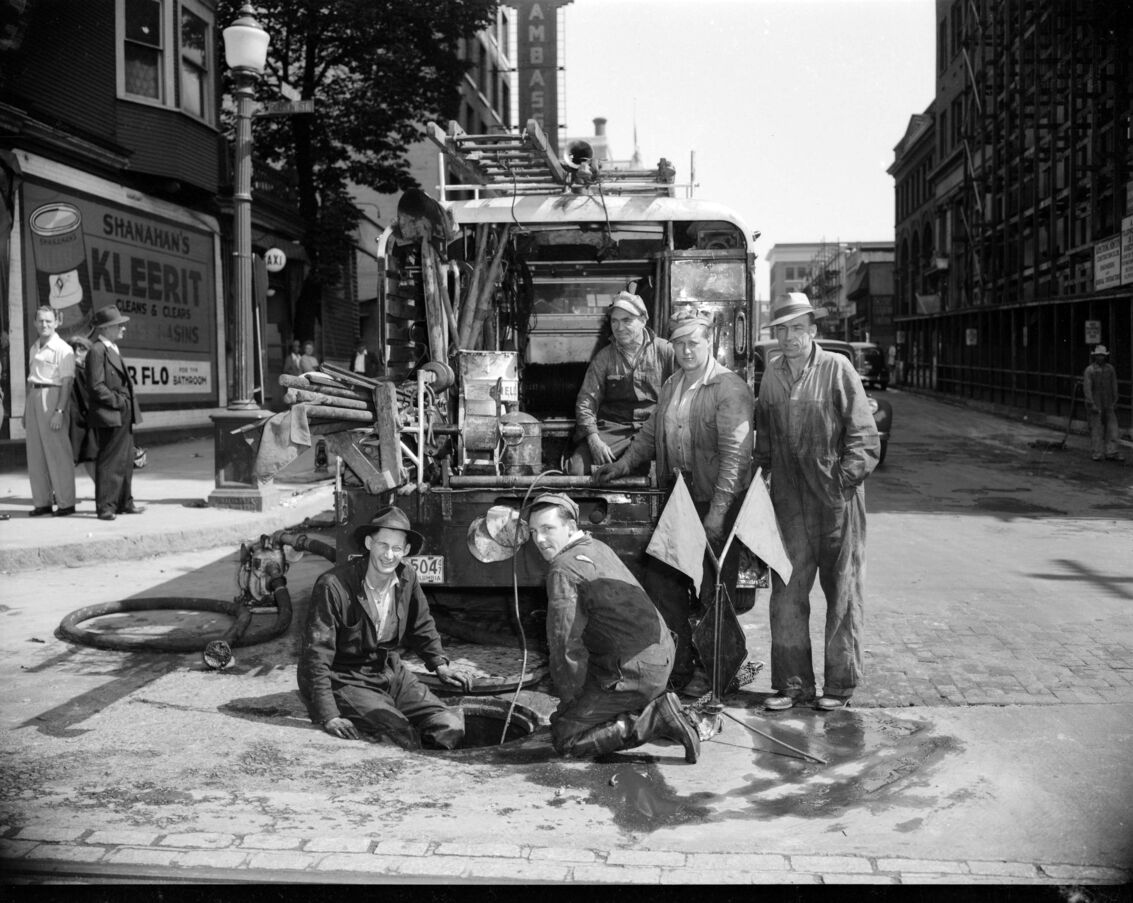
816,436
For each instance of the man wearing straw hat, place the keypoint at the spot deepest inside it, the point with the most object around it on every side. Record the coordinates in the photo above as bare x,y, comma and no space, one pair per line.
610,651
363,612
621,386
702,427
1099,384
816,438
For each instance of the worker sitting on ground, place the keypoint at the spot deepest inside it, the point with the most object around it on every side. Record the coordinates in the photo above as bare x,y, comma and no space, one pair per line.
621,386
610,651
351,676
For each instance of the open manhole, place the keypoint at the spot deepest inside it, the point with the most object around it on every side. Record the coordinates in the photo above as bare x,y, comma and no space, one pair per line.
486,721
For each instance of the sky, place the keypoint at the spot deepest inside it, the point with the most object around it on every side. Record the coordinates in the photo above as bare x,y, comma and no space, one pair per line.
793,107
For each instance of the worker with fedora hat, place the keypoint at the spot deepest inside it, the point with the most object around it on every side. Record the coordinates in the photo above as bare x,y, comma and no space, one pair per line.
816,439
621,385
610,651
702,427
1099,384
363,612
113,414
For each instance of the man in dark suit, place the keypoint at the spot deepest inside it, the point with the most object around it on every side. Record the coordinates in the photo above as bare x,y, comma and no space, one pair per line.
113,413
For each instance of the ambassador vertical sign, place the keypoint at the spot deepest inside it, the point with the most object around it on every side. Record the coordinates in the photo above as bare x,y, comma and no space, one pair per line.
537,62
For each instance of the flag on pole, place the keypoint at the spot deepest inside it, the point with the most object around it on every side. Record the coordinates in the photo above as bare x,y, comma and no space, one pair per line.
679,539
757,528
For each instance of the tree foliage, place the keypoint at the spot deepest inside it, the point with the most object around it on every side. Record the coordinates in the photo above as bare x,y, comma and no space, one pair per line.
378,70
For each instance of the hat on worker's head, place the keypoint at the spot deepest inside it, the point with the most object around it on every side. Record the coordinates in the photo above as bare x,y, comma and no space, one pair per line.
496,535
686,319
631,302
80,341
796,305
108,316
555,499
1100,349
392,518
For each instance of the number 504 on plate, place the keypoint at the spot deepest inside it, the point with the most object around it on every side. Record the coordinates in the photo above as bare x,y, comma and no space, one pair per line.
429,568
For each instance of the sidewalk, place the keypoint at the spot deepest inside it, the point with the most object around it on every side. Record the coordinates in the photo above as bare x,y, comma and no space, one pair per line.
173,488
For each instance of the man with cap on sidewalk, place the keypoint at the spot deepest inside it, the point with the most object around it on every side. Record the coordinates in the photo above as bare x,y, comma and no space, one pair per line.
621,385
816,438
51,372
1099,383
702,426
351,675
610,651
113,413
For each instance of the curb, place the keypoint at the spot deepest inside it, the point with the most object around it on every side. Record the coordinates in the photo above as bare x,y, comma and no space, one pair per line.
311,860
90,550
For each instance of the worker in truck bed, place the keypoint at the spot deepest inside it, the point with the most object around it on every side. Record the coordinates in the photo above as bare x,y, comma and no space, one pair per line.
621,386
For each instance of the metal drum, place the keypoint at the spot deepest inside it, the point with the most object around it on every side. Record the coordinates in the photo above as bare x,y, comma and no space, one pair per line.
521,440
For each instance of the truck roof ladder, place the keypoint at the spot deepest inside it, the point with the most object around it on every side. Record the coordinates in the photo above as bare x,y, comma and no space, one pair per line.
508,163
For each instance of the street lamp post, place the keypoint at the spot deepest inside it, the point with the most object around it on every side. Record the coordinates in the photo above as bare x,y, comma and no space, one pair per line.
245,51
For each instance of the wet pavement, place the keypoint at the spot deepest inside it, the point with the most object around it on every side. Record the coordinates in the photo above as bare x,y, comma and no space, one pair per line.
992,740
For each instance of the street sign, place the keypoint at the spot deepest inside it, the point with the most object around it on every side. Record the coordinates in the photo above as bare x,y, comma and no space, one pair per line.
1093,332
286,108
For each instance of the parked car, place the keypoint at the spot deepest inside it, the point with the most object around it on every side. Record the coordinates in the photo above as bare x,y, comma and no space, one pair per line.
871,365
767,350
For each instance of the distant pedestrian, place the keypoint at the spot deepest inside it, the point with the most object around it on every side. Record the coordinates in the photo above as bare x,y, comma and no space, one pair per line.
51,372
1100,385
308,361
293,363
364,363
114,413
815,435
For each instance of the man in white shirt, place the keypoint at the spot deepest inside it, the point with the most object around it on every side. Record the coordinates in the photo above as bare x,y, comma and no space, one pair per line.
51,372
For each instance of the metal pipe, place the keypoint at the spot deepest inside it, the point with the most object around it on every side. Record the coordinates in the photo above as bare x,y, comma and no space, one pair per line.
510,482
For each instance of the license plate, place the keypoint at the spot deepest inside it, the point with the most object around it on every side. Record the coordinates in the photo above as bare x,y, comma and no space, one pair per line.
429,568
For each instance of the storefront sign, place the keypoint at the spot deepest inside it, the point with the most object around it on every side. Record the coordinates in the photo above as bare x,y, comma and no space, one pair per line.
537,59
1127,250
1107,263
274,260
153,375
85,253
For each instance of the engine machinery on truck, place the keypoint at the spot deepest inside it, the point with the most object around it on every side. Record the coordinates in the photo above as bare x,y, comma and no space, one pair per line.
493,307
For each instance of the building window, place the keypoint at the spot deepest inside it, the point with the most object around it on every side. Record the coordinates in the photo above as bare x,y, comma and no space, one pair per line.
167,54
142,50
194,63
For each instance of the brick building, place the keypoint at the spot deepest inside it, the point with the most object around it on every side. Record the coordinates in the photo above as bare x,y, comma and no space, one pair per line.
1015,203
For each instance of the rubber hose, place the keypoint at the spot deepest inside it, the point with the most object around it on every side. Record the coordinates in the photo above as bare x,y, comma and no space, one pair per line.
236,635
301,542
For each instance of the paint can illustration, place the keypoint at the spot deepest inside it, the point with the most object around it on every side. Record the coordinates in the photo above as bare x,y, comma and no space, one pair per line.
60,253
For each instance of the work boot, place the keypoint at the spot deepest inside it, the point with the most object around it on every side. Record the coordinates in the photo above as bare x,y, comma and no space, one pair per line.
594,741
664,719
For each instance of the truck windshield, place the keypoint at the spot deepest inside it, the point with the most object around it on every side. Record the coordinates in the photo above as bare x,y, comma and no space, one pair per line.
700,281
